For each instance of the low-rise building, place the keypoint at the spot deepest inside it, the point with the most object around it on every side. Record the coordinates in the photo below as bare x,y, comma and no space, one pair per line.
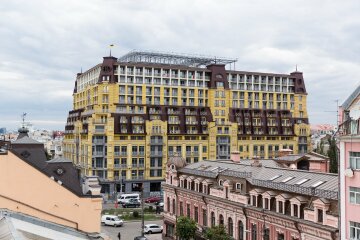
253,200
48,191
349,167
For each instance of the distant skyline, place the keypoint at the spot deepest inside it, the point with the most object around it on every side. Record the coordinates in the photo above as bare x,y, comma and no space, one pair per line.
44,45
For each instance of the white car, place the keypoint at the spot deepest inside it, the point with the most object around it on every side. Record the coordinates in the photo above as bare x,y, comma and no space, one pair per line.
153,228
124,198
111,220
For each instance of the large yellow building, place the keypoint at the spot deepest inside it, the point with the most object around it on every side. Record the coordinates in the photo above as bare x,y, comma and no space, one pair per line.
131,114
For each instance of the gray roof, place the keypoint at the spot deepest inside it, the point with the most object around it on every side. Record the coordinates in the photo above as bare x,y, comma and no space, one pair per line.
351,98
261,176
26,140
59,160
291,157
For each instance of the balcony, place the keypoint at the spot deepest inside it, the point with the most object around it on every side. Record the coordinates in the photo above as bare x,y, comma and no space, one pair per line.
120,166
192,131
123,154
139,121
174,122
98,153
156,141
155,153
99,141
137,177
192,122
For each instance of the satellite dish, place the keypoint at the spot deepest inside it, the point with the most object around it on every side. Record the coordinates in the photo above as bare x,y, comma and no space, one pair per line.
349,172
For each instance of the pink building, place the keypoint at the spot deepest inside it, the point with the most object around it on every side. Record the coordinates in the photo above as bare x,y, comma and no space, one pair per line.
253,200
349,144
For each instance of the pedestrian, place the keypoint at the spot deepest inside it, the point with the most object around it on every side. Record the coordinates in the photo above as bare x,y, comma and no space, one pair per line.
119,236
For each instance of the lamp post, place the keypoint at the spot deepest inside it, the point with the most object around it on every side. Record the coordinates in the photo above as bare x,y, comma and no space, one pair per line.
142,211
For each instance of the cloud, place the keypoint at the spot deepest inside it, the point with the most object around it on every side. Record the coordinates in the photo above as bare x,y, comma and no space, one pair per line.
45,43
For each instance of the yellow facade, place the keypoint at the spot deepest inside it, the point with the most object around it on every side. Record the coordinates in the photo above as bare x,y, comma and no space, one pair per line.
136,112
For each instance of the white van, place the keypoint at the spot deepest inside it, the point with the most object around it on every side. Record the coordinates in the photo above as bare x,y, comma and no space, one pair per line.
111,220
124,198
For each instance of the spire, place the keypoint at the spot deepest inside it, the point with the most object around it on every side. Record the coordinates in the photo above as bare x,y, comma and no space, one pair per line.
23,131
110,46
296,68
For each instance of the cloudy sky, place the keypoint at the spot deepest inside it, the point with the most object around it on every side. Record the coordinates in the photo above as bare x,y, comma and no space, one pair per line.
43,44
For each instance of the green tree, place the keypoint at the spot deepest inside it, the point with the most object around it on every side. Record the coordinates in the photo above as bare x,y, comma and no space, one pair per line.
217,233
333,155
185,228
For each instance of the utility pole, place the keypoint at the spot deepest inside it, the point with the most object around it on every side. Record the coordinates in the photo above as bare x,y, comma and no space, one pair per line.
142,211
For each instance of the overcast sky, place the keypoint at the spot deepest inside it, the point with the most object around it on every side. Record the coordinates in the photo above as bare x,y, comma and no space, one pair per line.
43,44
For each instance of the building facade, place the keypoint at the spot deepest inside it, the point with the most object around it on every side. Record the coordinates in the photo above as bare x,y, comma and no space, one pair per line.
47,191
130,114
252,201
349,145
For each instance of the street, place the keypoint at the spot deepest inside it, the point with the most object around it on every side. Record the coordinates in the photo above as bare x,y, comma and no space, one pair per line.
130,230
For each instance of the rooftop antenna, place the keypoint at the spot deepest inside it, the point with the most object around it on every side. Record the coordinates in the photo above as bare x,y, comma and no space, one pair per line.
111,45
81,70
296,67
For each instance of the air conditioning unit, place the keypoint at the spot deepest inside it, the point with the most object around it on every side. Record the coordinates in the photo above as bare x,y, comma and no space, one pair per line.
349,172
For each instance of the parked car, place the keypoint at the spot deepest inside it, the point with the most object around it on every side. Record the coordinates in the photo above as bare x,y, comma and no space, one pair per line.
153,228
111,220
152,199
126,197
132,203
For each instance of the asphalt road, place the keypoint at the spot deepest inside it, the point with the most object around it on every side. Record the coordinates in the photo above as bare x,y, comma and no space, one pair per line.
130,230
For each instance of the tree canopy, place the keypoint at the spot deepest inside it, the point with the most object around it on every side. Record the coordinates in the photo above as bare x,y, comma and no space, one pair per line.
217,233
185,228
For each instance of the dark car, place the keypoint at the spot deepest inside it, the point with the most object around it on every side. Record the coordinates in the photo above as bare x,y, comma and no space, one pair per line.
132,203
152,199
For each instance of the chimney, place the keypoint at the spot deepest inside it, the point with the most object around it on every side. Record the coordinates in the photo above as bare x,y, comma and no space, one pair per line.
256,161
235,156
284,152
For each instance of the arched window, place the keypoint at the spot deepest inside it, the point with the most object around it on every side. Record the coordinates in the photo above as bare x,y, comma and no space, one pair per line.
267,234
241,230
212,219
168,204
230,227
173,206
221,219
253,232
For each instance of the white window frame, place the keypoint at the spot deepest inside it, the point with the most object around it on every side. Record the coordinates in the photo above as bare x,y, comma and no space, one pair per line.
354,161
355,191
356,227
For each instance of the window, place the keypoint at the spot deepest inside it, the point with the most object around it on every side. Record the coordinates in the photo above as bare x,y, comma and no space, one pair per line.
320,214
281,207
281,236
355,160
230,227
253,232
204,217
241,230
266,234
168,204
188,214
354,195
238,186
354,230
212,219
317,184
275,177
181,209
196,212
301,181
287,179
173,206
221,219
204,149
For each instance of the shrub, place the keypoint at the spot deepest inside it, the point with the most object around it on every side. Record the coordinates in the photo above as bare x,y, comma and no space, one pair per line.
136,214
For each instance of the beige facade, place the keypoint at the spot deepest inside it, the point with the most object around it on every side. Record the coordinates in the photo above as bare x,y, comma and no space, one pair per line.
25,189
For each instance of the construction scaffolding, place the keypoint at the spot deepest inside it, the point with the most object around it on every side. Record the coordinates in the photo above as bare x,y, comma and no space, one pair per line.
173,59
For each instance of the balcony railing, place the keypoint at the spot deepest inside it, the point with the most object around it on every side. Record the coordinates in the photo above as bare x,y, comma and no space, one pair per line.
120,154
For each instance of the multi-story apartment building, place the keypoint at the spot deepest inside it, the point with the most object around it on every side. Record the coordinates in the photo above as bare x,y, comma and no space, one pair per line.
130,114
349,144
252,200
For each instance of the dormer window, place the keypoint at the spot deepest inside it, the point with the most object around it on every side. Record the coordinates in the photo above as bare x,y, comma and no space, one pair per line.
221,182
238,186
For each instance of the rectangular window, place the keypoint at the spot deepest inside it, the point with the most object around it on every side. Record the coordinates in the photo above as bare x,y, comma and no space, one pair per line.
354,230
196,212
204,217
355,160
188,214
354,195
181,209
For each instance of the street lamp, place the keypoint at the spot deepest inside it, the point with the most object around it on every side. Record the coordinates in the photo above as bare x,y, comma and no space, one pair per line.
142,211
